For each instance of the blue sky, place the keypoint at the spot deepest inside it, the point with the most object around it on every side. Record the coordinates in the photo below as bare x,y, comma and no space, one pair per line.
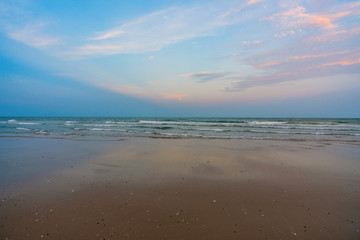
254,58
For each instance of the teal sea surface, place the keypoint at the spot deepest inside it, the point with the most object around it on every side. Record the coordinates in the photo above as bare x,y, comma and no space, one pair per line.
207,128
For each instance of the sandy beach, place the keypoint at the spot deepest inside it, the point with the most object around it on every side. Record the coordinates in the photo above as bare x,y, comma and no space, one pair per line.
144,188
180,120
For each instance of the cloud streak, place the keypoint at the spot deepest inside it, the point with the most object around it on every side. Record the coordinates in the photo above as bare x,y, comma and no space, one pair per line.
298,17
157,30
310,45
335,35
252,2
263,43
303,58
33,35
296,68
208,76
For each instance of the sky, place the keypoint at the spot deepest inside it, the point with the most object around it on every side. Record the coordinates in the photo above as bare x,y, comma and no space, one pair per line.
228,58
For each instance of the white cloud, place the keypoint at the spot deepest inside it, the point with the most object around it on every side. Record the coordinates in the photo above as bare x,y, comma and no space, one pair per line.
147,33
158,29
19,23
32,35
107,35
251,2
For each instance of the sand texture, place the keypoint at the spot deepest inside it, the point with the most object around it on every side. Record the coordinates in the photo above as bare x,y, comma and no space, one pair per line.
179,189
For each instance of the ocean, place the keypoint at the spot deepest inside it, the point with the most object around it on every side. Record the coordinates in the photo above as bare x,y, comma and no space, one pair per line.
113,128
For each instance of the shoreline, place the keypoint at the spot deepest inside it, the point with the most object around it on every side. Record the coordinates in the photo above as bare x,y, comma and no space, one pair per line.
143,188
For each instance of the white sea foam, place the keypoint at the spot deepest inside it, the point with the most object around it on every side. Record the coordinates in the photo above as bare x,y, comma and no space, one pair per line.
97,125
100,129
126,123
266,123
12,121
42,132
166,122
180,135
120,122
187,123
69,123
211,129
26,129
110,122
108,130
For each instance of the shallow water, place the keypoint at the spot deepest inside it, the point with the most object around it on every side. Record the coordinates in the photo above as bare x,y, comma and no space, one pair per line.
144,188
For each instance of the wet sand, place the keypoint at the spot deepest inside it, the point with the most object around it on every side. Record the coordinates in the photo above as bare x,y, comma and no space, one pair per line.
179,189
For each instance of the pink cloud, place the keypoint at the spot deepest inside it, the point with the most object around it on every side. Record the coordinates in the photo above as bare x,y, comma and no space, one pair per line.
268,64
343,63
335,36
251,2
302,58
281,68
297,17
323,70
339,15
196,74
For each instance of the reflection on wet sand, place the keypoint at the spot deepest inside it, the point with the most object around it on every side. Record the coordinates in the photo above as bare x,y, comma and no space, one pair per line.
192,189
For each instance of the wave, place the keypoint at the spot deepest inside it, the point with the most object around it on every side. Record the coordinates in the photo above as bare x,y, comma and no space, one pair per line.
266,123
107,130
119,122
13,121
20,128
237,123
319,127
212,129
255,128
315,123
179,134
97,125
100,129
69,123
187,123
45,132
303,133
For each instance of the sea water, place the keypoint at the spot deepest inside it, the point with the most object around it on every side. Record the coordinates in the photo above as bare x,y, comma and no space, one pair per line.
223,128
